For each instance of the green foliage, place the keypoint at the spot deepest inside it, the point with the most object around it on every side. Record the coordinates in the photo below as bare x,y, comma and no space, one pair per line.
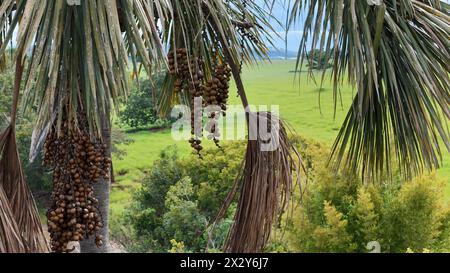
412,219
6,87
35,174
333,235
341,214
165,173
183,220
140,107
363,220
179,199
180,196
177,247
213,175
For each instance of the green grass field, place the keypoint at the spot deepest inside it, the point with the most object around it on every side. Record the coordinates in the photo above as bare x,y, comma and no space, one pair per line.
266,84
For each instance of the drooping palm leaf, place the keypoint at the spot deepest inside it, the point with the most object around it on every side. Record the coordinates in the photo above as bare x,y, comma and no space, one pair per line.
265,186
19,199
397,54
10,239
20,214
191,25
78,55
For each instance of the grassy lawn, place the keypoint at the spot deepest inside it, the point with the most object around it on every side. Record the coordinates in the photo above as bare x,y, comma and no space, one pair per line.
266,84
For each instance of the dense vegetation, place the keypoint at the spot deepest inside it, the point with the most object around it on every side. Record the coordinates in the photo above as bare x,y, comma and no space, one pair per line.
139,110
341,214
178,200
180,197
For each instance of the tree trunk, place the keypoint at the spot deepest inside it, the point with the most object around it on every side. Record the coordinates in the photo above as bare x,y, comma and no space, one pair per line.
101,191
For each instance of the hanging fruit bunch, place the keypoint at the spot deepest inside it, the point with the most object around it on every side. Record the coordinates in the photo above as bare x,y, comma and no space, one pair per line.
189,77
216,93
77,162
244,27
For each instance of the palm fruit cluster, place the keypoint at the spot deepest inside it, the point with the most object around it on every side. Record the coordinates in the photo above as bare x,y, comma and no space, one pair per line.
189,77
77,162
216,93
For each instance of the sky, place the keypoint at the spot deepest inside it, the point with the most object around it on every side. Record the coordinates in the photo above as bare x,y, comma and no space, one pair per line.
294,35
280,13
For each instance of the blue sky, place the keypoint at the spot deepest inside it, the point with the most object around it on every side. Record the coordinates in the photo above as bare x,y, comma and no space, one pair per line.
279,12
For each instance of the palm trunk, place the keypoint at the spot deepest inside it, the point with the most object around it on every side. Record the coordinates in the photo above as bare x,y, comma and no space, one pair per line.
101,191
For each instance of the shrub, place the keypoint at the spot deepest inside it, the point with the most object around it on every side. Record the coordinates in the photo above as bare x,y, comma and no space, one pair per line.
180,197
341,214
139,110
412,219
183,220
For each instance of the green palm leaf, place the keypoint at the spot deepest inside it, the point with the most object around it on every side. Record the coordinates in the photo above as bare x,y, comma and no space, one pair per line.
78,55
397,54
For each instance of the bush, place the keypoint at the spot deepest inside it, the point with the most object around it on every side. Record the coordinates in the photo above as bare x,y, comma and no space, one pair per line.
139,110
340,214
183,220
179,198
414,216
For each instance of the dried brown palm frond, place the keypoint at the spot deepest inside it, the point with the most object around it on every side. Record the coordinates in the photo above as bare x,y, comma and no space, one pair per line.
13,184
10,239
270,171
20,200
266,182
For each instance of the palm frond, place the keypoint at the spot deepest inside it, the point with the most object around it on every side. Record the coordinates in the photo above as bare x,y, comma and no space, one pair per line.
19,211
10,239
20,215
79,56
398,56
265,186
198,26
